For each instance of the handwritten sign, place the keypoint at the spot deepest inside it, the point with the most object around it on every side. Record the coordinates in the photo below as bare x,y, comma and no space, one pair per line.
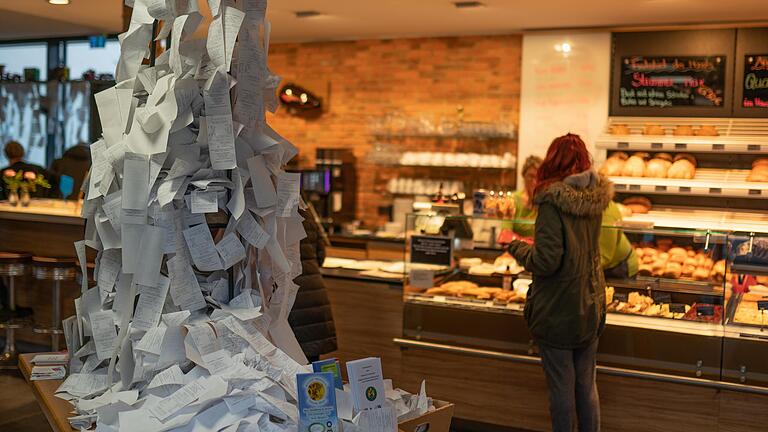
662,82
755,81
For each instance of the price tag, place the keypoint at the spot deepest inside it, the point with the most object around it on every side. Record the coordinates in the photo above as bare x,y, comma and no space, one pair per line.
422,279
713,300
677,308
619,187
657,146
681,146
622,145
718,146
762,305
622,297
661,188
706,311
685,189
432,250
662,297
715,191
634,187
755,192
753,147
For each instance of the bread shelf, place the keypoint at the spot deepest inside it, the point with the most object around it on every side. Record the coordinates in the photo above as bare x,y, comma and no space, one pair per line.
702,219
706,182
735,135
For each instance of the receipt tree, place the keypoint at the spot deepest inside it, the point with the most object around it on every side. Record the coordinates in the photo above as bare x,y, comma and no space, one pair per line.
184,328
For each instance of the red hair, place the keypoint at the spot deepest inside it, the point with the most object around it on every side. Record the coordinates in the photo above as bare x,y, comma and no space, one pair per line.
567,155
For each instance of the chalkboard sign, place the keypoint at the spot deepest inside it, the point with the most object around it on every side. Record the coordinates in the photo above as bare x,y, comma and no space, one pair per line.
755,83
672,81
432,250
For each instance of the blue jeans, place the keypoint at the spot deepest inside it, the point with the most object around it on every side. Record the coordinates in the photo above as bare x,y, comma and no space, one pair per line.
572,387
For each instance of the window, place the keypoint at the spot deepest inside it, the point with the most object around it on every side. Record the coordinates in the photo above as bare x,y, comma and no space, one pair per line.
81,57
16,57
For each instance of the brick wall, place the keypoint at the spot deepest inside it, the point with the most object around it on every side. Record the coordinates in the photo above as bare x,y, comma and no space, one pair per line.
364,81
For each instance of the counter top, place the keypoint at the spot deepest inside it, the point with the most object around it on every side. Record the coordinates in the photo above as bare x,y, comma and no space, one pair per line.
44,210
56,410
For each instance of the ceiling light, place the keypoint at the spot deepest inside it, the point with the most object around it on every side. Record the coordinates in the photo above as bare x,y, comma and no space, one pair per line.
306,14
468,4
566,47
58,2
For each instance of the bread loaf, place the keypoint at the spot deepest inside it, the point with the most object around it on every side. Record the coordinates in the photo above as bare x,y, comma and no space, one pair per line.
635,165
706,130
653,129
683,130
619,129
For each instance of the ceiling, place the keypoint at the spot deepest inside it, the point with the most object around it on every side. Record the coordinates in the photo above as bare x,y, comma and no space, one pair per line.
365,19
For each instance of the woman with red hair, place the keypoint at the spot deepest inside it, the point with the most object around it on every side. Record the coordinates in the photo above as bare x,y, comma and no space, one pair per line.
565,309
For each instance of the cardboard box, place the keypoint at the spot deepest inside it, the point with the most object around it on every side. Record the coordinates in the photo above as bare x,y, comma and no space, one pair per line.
438,420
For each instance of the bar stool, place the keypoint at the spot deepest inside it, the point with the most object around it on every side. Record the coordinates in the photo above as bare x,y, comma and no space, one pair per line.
12,265
57,270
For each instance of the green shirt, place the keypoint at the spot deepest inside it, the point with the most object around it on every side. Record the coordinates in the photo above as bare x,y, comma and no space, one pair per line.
525,216
614,245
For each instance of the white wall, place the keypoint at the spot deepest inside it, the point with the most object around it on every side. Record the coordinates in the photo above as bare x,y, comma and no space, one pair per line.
562,92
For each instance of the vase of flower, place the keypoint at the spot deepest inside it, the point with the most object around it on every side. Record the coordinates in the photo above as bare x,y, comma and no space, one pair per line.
13,180
13,198
24,198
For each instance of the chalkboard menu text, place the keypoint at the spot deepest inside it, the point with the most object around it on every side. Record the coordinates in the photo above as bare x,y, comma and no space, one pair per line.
755,81
661,82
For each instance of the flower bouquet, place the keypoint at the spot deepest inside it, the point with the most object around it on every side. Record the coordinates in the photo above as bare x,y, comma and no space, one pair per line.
26,182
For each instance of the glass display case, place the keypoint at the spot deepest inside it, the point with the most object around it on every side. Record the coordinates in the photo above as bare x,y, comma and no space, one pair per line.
745,345
696,308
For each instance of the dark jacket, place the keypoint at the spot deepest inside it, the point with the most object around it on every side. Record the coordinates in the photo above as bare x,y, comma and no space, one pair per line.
74,163
566,303
311,317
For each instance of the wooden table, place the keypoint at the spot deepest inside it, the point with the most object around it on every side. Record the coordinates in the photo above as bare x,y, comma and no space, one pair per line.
56,410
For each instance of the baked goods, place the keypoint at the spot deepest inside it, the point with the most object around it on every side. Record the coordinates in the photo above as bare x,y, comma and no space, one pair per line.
705,312
638,204
614,165
683,167
466,263
635,165
619,129
609,290
658,166
683,130
678,263
759,172
706,130
653,129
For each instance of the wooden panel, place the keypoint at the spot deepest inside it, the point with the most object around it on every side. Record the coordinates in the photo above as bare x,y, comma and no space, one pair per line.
46,239
39,238
484,390
368,316
631,404
741,412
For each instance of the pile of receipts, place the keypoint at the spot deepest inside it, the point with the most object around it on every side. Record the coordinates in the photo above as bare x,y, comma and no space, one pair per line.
186,329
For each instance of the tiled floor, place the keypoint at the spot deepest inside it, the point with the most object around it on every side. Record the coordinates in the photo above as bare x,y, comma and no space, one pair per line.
19,411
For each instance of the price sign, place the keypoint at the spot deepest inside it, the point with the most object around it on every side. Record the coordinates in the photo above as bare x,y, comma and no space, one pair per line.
762,305
422,279
622,297
662,297
677,308
432,250
705,311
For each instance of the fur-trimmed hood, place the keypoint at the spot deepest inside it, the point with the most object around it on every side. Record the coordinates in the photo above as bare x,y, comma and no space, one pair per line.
583,194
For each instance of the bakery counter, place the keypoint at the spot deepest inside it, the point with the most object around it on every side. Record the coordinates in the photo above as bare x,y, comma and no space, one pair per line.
368,315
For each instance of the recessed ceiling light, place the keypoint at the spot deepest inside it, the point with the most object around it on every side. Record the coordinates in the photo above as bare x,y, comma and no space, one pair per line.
468,4
58,2
307,14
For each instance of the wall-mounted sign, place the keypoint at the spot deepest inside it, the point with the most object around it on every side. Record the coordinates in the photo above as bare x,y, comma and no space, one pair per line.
300,101
661,82
755,81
